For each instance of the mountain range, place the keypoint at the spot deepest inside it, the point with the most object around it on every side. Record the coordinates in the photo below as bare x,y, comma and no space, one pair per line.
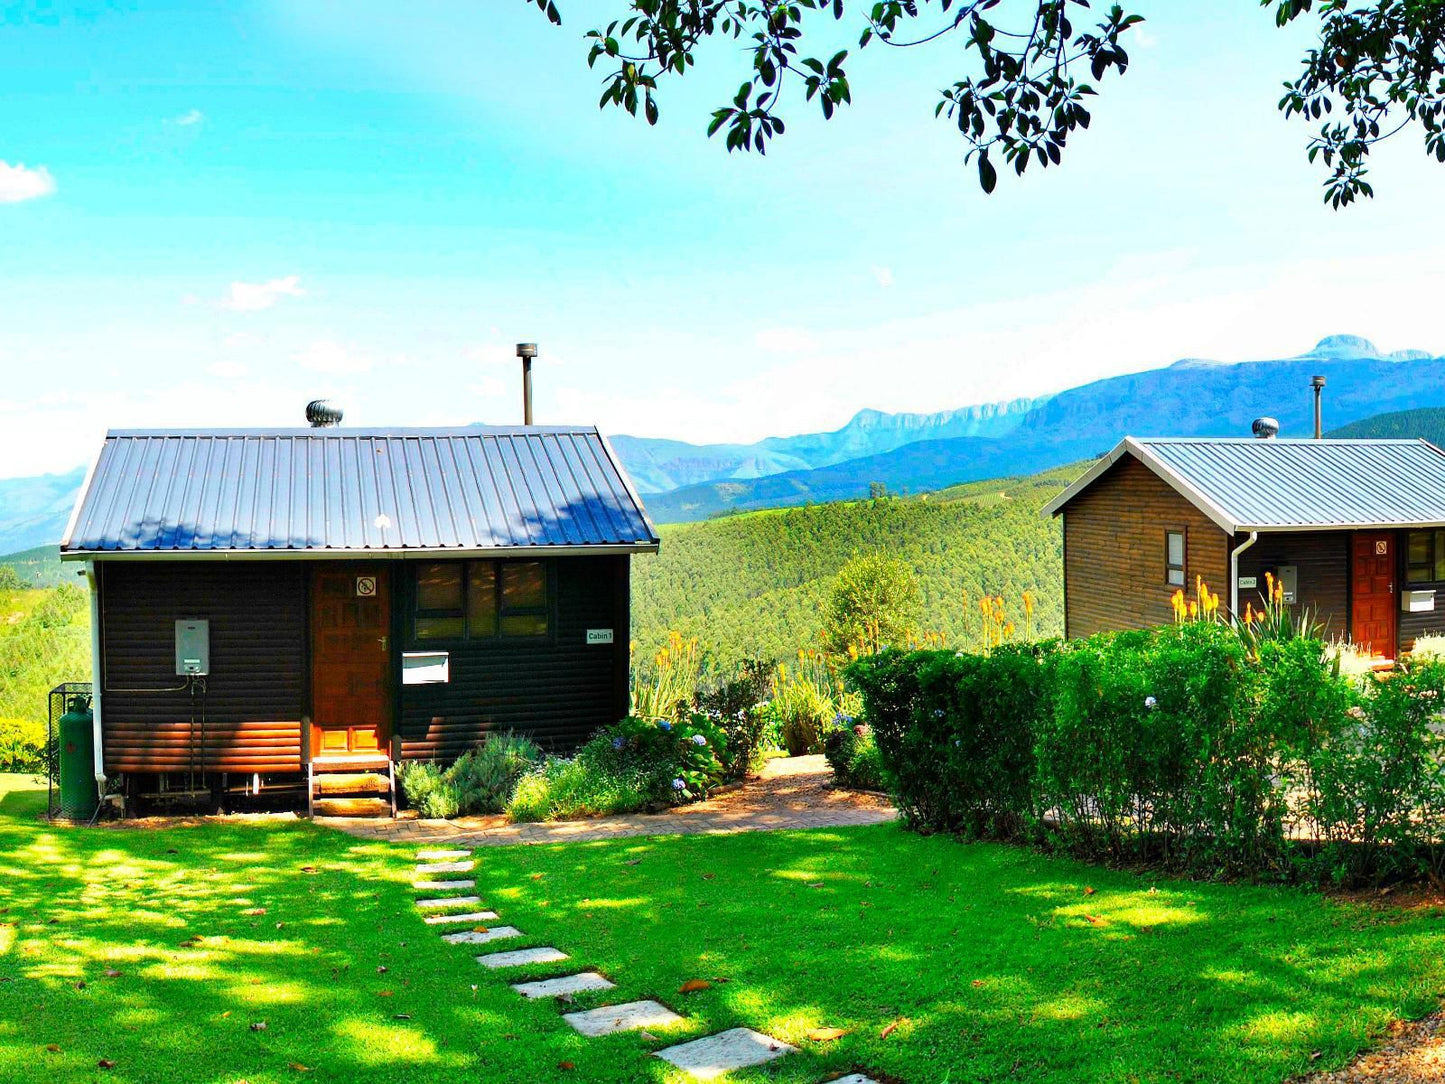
918,452
1192,397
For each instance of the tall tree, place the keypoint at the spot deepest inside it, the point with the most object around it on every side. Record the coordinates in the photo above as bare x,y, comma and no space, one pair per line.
1379,67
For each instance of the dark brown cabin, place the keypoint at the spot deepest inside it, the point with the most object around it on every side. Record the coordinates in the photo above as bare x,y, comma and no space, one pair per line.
1354,530
273,606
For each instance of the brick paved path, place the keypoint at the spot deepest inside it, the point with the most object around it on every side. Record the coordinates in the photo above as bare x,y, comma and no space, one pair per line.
792,792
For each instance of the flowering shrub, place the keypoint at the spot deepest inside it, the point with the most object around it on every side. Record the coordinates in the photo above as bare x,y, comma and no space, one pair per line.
632,765
853,755
1189,747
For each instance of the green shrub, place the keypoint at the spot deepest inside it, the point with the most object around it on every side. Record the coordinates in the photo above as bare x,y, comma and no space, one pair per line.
1189,747
635,764
853,754
1377,790
955,733
736,707
22,745
481,780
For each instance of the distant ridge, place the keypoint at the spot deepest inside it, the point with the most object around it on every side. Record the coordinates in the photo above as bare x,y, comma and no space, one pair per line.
1427,423
1188,398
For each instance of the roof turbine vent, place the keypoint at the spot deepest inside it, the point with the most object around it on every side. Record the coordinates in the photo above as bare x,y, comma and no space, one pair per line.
323,414
1265,428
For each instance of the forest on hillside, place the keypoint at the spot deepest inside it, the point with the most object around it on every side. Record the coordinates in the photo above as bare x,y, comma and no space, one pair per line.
755,585
44,640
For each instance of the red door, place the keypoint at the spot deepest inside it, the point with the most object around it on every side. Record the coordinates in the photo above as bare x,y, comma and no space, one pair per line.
1372,624
350,661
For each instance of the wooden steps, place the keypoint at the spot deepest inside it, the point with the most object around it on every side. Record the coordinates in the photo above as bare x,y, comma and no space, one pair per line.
351,786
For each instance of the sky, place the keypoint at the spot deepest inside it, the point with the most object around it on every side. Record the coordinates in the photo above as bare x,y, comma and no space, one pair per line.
210,214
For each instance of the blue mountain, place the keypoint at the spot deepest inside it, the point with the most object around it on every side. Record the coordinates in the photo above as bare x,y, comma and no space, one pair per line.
1192,397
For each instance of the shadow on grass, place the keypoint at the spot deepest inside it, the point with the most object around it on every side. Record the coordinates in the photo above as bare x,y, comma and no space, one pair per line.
980,962
253,951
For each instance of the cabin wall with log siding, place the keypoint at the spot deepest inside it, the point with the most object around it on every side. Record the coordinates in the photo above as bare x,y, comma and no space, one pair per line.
255,692
1114,551
556,690
1323,560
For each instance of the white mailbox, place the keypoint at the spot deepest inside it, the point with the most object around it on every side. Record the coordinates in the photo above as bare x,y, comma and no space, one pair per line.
1417,602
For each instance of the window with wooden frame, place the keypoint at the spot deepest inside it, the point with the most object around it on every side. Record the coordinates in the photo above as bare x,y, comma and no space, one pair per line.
480,600
1425,557
1174,551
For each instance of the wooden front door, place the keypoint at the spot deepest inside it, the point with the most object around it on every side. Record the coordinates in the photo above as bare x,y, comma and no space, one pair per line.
350,661
1372,599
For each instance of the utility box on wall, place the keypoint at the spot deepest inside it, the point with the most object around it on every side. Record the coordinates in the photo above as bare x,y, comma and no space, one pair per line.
1288,576
193,647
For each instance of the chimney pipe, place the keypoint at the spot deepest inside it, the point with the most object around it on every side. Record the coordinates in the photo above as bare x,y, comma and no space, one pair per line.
526,351
1318,383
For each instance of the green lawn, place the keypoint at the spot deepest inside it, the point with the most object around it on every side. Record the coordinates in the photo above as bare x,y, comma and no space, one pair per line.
994,963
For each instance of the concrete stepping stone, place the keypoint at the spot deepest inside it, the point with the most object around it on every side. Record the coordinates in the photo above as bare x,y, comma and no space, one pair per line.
441,856
854,1078
445,867
481,937
442,886
611,1019
566,984
449,901
736,1048
522,957
469,916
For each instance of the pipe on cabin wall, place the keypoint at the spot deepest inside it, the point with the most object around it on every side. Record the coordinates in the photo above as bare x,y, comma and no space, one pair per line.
95,672
1234,573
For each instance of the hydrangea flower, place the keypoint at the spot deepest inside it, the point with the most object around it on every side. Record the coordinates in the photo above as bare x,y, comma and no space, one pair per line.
617,743
1150,702
939,713
664,724
678,784
698,739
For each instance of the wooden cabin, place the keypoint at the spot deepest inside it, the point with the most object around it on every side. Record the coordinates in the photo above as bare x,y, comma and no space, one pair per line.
271,607
1354,530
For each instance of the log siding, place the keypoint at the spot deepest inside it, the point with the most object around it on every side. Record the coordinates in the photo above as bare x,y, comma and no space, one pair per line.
1114,547
255,692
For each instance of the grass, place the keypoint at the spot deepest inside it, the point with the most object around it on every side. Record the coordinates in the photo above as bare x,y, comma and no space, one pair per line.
992,962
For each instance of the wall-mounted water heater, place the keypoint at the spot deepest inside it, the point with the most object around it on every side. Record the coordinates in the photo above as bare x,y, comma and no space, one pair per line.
193,647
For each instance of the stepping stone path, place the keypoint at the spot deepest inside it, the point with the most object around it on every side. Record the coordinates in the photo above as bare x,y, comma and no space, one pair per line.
567,984
521,957
481,937
715,1055
705,1059
611,1019
469,916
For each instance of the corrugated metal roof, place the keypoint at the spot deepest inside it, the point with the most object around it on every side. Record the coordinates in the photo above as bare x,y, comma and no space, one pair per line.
294,491
1249,484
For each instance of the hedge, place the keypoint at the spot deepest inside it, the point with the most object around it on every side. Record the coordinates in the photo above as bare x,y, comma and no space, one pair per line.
1185,747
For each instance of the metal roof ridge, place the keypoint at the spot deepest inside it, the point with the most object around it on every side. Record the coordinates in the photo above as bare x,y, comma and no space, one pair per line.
1290,441
360,431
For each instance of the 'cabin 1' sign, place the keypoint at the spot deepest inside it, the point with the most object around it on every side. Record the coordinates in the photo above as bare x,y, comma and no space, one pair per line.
599,636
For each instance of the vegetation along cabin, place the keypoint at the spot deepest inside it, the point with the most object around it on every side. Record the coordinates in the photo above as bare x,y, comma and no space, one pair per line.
1352,530
275,606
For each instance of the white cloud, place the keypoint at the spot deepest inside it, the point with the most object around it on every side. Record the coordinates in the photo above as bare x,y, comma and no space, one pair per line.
19,183
230,370
255,296
884,275
189,119
333,359
786,340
